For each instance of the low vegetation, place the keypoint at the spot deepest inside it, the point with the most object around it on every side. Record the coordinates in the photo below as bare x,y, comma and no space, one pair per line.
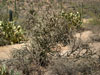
5,71
40,55
11,32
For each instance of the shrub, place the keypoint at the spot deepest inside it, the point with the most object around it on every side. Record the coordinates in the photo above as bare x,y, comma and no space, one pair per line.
5,71
84,66
48,31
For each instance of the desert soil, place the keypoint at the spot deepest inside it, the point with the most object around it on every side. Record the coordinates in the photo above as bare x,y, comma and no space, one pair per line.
5,51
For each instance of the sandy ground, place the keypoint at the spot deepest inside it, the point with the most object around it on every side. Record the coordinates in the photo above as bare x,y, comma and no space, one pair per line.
5,51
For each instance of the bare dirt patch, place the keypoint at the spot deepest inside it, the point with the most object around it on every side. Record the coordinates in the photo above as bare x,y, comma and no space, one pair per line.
5,51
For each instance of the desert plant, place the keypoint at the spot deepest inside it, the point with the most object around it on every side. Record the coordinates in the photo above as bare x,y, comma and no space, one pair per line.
73,19
11,32
63,66
5,71
48,31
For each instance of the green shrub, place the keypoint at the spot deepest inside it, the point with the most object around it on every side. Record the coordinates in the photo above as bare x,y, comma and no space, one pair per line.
73,19
11,32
